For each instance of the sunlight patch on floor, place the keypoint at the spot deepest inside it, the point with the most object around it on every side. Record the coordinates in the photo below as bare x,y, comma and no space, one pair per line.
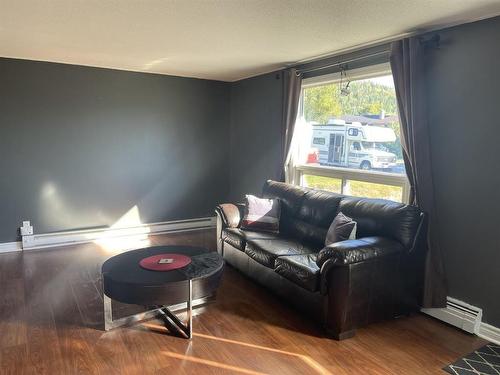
207,362
308,360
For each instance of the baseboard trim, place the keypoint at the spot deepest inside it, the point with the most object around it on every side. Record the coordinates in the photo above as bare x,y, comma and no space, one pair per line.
466,317
490,333
9,247
48,240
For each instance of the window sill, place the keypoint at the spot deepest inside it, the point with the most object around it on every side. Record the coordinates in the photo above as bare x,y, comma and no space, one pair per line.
349,174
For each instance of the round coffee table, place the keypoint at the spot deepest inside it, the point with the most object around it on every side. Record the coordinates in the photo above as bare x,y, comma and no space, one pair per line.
163,292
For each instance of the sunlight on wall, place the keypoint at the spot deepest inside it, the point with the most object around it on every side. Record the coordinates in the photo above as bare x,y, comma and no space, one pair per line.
131,218
60,213
126,234
52,206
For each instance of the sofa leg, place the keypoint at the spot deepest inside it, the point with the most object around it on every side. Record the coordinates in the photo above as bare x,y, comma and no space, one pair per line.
342,335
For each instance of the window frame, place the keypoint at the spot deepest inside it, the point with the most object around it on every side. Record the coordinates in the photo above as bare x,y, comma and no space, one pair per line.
296,172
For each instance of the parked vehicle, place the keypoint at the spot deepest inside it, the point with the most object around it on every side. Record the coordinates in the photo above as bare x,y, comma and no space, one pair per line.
353,145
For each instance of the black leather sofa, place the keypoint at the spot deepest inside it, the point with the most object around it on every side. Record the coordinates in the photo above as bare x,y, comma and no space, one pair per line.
344,285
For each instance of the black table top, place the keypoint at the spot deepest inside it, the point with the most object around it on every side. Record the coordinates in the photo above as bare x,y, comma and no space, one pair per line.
125,269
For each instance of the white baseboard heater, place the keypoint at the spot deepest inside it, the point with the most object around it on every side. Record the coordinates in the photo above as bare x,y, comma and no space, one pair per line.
459,314
47,240
466,317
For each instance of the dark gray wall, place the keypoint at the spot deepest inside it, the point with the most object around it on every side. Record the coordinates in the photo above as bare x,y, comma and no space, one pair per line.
463,81
79,146
256,112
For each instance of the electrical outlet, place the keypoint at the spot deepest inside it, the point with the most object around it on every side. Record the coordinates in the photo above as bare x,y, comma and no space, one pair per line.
26,229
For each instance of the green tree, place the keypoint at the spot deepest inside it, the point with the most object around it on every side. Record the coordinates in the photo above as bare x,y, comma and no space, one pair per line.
324,102
321,103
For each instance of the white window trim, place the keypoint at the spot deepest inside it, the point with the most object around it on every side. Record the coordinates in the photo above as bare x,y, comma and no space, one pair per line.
296,172
349,174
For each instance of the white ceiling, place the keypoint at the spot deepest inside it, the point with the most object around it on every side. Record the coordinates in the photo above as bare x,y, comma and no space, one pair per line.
215,39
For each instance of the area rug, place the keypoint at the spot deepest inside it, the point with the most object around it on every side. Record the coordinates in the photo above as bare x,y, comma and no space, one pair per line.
483,361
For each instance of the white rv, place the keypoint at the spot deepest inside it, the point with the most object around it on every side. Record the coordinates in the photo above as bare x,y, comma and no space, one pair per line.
353,145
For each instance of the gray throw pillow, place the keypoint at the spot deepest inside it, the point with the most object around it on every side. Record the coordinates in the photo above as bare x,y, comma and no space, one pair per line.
342,228
261,214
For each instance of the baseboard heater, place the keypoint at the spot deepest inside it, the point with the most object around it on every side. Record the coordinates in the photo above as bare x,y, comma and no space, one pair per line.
47,240
466,317
459,314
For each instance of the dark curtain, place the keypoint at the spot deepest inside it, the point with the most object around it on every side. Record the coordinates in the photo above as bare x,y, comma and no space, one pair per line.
407,63
292,82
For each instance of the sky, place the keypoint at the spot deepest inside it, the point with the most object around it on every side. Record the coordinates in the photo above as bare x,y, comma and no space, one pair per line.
385,80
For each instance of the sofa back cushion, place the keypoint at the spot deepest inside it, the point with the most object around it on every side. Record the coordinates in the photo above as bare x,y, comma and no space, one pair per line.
290,197
306,214
315,215
309,214
380,217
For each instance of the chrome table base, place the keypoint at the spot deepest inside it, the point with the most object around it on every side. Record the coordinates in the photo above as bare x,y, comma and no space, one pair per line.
167,313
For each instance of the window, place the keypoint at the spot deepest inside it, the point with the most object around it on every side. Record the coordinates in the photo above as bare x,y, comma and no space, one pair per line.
319,141
348,138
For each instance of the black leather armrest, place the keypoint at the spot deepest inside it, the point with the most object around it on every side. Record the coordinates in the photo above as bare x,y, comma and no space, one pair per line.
359,250
231,214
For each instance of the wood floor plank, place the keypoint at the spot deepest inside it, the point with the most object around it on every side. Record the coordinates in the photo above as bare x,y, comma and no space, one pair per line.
51,320
12,313
14,361
43,346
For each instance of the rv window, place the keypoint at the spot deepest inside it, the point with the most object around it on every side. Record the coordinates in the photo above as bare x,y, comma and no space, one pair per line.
319,141
353,132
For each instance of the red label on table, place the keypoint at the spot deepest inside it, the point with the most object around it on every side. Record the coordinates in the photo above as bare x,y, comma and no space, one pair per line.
165,262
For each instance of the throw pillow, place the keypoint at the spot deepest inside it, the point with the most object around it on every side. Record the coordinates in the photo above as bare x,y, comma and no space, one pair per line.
342,228
261,214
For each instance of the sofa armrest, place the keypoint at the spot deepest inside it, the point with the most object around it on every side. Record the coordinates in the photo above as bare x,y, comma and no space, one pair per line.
359,250
231,214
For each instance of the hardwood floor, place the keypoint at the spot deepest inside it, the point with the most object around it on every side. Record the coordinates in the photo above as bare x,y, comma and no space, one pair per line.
51,319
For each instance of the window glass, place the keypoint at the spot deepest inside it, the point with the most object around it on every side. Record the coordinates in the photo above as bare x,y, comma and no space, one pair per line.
322,183
371,190
319,141
350,132
353,116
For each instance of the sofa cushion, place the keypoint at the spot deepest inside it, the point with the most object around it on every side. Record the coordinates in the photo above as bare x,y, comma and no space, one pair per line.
342,228
379,217
319,207
290,197
238,237
265,251
300,269
306,213
261,214
360,250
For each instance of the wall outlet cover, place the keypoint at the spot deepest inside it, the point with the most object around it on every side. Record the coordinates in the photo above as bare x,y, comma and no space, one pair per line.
26,229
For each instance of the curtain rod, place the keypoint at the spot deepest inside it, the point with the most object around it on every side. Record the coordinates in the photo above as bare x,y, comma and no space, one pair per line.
343,62
432,42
